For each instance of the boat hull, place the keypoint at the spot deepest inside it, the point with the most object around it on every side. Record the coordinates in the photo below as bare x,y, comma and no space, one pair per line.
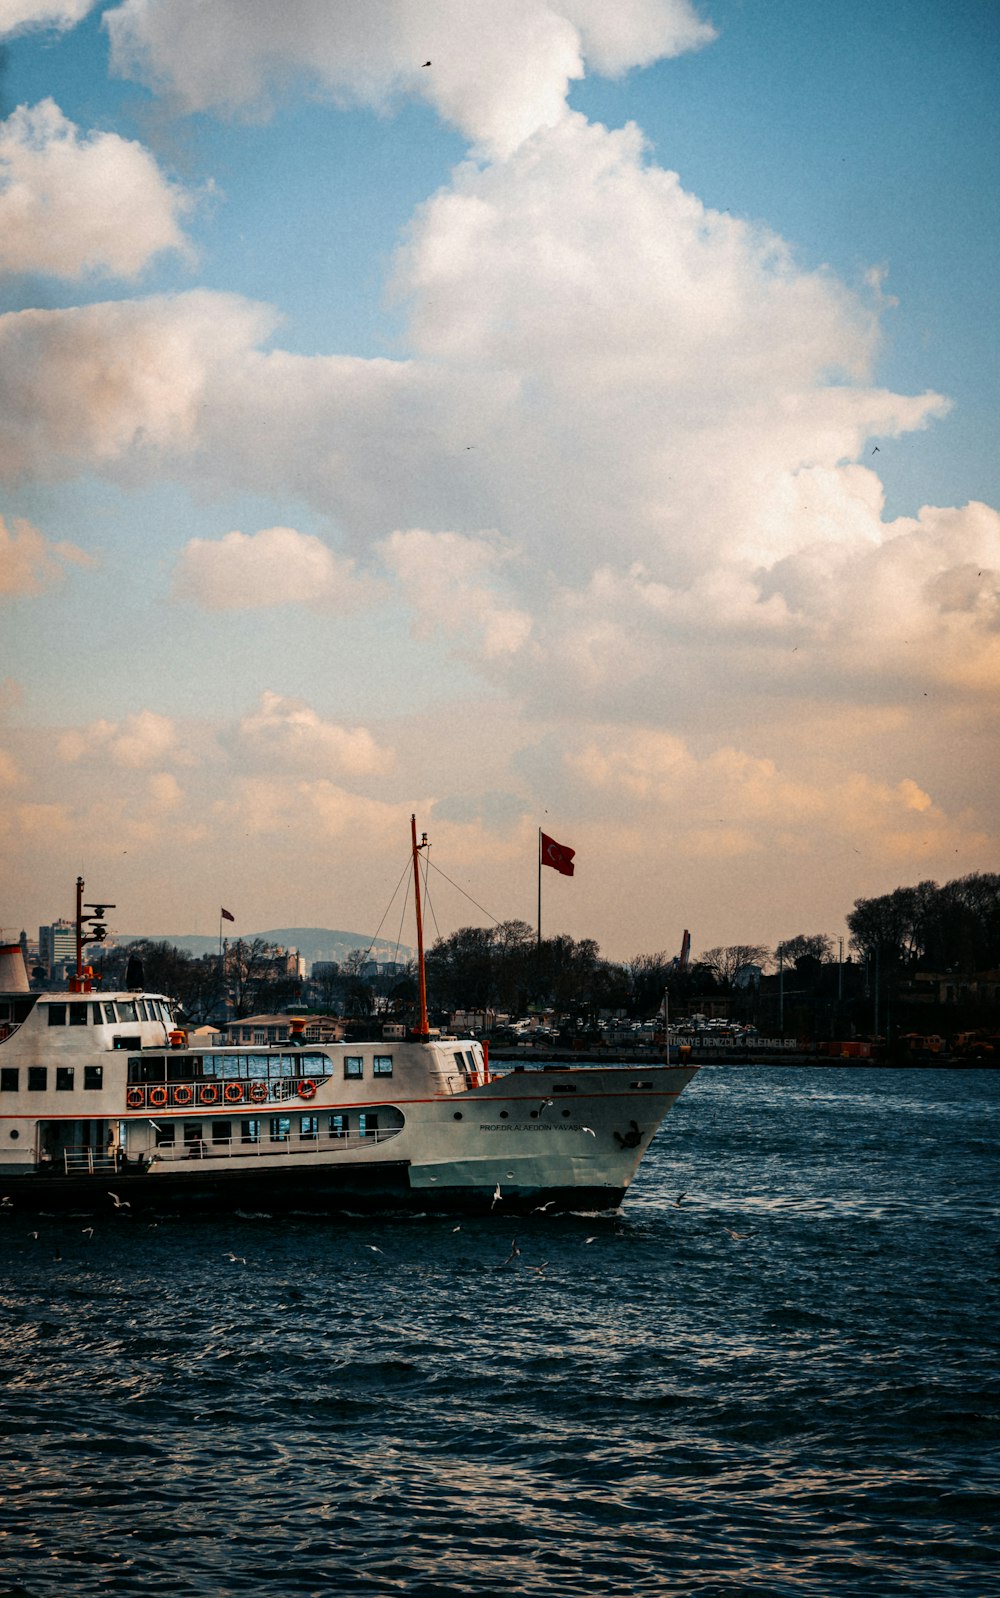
345,1189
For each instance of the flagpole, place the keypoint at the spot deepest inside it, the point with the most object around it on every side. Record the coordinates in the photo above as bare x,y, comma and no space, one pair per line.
539,887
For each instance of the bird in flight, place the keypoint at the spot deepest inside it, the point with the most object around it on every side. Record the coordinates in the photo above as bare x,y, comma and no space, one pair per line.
120,1204
876,450
515,1253
424,64
496,1195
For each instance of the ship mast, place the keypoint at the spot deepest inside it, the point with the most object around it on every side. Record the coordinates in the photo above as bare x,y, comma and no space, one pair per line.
422,1029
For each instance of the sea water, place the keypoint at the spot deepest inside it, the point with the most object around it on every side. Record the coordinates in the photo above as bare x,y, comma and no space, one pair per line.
774,1372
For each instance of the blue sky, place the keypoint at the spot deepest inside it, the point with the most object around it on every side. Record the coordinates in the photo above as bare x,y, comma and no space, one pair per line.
547,489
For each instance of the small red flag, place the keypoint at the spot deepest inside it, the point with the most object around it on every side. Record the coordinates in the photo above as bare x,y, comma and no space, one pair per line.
557,855
226,915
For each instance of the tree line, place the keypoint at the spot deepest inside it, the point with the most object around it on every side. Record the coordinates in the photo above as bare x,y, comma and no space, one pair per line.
504,968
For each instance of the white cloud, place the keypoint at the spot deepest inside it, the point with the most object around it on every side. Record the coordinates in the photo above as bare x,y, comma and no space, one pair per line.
30,562
499,69
141,740
71,204
284,735
92,385
450,581
277,566
62,14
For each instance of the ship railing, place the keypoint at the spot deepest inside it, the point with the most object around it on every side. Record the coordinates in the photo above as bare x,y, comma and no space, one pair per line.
267,1147
84,1162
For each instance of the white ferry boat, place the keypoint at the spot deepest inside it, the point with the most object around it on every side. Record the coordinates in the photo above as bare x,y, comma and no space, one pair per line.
105,1102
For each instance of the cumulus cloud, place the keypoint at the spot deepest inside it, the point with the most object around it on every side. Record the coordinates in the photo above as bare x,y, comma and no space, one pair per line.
71,204
30,562
499,69
95,384
277,566
450,581
140,741
62,14
284,735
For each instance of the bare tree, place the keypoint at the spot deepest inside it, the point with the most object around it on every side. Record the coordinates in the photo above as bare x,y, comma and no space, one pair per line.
727,962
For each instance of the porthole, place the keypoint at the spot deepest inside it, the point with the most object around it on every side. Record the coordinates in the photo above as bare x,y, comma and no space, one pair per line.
566,1114
458,1115
534,1115
15,1134
504,1115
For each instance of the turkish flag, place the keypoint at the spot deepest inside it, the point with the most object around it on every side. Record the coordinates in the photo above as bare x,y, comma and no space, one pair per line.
557,856
226,916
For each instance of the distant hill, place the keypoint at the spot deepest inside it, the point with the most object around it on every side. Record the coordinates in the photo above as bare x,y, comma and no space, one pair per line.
313,943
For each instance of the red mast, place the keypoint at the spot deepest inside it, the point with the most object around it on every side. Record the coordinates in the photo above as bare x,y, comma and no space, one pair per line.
422,1029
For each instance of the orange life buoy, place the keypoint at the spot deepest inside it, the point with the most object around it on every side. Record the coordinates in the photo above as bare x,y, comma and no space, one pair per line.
158,1096
135,1098
183,1094
307,1089
208,1093
258,1092
233,1092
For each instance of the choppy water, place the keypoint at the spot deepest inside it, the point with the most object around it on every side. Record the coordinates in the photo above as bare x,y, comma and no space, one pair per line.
648,1404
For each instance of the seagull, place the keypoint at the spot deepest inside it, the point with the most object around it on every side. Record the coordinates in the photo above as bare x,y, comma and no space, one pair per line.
373,1248
590,1240
515,1253
88,1231
120,1204
424,64
876,450
680,1198
543,1207
496,1195
6,1203
538,1268
738,1235
33,1235
456,1229
237,1259
589,1129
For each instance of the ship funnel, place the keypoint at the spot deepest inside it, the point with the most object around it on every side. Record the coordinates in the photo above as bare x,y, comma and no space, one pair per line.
13,976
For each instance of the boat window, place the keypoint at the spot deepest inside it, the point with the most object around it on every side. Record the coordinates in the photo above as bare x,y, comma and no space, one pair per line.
164,1134
368,1123
182,1067
382,1065
459,1059
110,1013
354,1065
64,1079
95,1014
257,1067
308,1126
127,1010
249,1131
148,1068
281,1126
93,1077
286,1064
38,1078
78,1015
8,1078
470,1059
222,1131
57,1015
338,1125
